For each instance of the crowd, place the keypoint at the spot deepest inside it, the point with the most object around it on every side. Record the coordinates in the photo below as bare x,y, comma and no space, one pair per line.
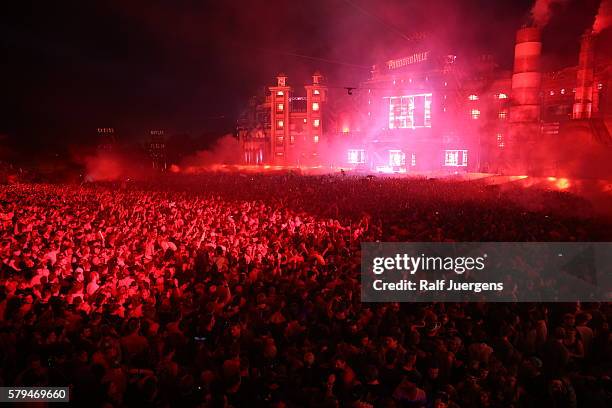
240,290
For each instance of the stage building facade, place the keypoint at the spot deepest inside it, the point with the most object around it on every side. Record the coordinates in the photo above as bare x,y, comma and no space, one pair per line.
432,112
285,127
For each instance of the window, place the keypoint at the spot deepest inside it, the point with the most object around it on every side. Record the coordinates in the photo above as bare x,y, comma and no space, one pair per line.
599,86
315,106
552,93
316,92
410,111
356,156
397,158
315,138
455,158
280,107
280,93
280,124
502,114
292,139
563,91
428,112
451,157
500,141
305,120
473,97
502,96
475,113
316,123
413,160
280,139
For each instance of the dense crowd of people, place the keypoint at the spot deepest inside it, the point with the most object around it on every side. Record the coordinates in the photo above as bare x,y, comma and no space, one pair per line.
241,290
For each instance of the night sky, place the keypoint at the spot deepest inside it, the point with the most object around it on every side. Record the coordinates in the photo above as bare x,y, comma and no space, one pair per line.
190,66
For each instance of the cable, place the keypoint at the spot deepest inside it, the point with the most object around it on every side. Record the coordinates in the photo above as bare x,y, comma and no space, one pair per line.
381,21
326,60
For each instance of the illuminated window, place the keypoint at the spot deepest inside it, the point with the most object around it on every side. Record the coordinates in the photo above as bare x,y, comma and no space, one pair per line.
315,106
305,120
455,158
280,93
599,87
292,139
502,96
397,158
316,92
500,141
427,113
563,91
410,111
451,157
280,139
280,124
356,156
316,123
475,113
502,115
552,93
473,97
280,107
413,160
315,138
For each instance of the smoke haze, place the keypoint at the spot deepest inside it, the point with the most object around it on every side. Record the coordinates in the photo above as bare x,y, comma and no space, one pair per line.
225,151
542,10
604,16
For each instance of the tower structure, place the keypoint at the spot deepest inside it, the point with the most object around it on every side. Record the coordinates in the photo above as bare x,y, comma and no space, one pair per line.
316,96
279,119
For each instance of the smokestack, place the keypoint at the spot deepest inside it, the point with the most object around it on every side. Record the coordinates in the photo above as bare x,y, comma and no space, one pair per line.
583,103
527,77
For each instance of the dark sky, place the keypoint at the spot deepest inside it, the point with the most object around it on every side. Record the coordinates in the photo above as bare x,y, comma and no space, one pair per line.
69,67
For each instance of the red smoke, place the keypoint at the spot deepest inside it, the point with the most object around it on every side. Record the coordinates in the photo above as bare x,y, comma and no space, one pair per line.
226,151
542,11
103,167
604,16
112,166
